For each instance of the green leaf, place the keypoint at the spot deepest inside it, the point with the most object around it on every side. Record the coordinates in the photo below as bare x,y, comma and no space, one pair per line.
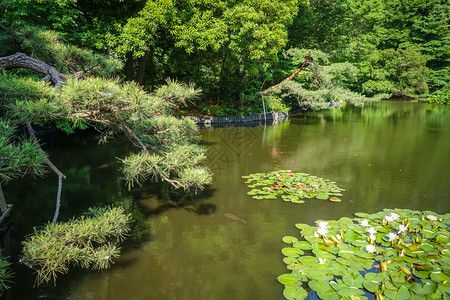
304,245
439,276
291,279
320,286
290,240
401,294
425,288
308,260
292,252
295,293
350,291
421,274
353,281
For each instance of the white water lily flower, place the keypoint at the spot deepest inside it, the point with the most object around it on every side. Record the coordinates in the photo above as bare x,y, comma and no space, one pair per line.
372,237
322,260
394,216
432,218
370,248
402,228
371,230
364,223
323,224
388,218
322,231
392,236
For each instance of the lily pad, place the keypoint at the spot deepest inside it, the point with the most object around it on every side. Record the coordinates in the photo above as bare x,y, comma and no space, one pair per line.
292,187
291,279
320,286
292,252
289,239
295,293
342,260
304,245
401,294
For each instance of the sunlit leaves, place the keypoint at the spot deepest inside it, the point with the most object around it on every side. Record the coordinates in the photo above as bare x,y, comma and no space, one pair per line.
345,261
292,187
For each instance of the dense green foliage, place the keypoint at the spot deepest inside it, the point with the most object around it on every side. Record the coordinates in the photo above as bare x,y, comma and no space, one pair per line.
233,49
323,83
395,45
393,254
88,242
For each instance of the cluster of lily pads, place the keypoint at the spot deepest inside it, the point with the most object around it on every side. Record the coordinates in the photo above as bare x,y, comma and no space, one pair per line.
291,186
392,254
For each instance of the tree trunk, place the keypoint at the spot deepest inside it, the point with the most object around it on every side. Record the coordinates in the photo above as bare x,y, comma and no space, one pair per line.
129,68
21,60
142,67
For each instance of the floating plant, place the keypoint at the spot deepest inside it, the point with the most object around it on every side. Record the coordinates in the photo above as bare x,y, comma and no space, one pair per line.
393,254
292,187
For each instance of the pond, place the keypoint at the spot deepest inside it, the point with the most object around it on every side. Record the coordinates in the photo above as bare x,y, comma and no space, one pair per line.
223,244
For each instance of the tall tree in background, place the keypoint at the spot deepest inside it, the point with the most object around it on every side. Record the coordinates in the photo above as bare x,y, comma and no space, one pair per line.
221,45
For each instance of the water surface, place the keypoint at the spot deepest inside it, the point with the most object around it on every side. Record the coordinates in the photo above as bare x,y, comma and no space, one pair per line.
386,155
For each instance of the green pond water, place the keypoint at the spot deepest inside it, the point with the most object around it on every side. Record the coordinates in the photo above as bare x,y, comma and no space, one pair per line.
385,155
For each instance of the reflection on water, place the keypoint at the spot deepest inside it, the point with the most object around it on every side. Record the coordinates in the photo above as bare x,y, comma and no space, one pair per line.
387,155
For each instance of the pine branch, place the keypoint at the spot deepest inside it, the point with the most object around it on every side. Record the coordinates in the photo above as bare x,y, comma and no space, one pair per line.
175,183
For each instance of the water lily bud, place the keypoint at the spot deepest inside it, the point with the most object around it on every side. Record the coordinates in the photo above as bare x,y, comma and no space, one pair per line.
379,296
335,239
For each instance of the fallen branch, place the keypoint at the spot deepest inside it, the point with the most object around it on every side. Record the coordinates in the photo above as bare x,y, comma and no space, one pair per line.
21,60
61,176
266,91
